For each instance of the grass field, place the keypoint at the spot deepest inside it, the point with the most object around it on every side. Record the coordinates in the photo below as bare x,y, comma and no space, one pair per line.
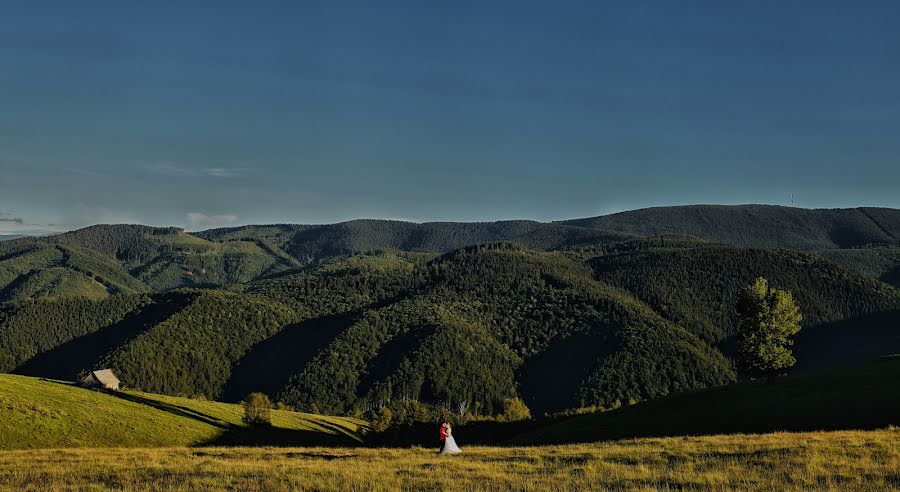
55,436
36,413
844,461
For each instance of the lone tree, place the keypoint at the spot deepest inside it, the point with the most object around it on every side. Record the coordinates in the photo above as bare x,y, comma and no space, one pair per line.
257,409
767,318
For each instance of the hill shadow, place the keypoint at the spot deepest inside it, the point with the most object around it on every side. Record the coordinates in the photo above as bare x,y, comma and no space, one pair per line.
172,408
69,359
892,277
265,435
268,366
239,435
392,353
847,342
858,397
550,380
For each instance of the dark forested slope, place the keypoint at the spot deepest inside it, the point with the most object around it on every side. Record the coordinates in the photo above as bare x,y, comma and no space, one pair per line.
499,311
698,286
29,329
759,226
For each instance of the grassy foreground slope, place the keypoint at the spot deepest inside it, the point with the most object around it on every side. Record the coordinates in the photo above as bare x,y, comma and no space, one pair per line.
846,461
863,397
37,413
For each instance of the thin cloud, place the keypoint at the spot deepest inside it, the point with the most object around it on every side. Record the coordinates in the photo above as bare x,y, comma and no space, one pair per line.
167,168
200,220
86,172
224,172
14,220
10,218
10,224
83,214
28,232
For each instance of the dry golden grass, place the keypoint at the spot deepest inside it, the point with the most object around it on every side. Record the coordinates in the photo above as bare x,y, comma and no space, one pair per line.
847,460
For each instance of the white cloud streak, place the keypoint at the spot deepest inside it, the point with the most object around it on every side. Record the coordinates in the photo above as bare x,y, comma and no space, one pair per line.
224,172
166,168
86,172
200,221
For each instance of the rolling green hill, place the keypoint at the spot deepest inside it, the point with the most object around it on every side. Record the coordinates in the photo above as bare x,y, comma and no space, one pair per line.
31,329
103,260
499,315
860,397
349,317
30,271
697,284
193,351
881,262
631,321
36,413
759,226
132,258
483,311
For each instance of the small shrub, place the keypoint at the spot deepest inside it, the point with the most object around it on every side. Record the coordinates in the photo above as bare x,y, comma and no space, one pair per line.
381,419
257,409
583,410
514,409
282,406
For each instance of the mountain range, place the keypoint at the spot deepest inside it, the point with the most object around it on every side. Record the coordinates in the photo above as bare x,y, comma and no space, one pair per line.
347,317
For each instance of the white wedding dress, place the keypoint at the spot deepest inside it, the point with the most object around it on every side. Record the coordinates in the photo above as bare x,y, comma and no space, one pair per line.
450,446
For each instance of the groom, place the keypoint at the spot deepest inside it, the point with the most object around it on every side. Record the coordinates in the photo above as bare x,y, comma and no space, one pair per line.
443,434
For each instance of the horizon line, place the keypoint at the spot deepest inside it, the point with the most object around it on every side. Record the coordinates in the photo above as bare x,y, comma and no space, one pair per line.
49,232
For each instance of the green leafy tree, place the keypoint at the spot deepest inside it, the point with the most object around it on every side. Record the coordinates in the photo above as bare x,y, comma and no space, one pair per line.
767,319
257,409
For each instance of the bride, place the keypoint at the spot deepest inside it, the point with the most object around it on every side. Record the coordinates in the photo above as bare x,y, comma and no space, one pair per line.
449,446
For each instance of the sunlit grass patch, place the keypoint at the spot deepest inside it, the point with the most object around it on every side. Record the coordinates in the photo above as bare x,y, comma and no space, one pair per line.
847,460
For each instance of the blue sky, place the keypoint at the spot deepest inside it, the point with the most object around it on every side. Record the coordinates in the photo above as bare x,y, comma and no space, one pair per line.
201,115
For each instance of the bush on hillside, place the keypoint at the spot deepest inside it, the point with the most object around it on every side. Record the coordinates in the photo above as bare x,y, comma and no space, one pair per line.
514,409
381,419
257,409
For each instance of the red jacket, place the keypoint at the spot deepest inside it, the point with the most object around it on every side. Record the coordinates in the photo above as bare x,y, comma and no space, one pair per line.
443,433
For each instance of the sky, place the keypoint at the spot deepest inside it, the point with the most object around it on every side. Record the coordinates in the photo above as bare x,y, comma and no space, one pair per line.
213,114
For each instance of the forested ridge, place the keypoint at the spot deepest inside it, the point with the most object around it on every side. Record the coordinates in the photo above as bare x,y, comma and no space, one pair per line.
351,317
698,286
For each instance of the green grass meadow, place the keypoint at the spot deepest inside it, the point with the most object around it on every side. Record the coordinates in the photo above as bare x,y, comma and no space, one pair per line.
37,413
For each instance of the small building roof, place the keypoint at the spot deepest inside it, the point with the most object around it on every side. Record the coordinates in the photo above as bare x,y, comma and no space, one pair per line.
105,376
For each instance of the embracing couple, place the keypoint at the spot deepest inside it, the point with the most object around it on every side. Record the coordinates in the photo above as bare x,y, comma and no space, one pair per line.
449,444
